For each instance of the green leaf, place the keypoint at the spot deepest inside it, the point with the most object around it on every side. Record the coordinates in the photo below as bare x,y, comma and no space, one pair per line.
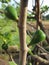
5,1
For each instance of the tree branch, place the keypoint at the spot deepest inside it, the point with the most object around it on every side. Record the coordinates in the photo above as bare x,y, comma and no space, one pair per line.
38,59
22,31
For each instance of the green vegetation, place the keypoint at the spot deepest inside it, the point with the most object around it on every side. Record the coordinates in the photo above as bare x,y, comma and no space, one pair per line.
9,33
12,63
5,46
5,1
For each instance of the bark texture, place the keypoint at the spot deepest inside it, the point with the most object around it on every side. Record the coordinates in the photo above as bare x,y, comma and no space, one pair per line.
22,31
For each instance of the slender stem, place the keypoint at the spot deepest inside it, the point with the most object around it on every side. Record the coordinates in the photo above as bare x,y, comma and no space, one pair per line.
22,31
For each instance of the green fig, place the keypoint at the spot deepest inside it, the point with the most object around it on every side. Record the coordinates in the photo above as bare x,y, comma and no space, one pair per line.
38,36
11,12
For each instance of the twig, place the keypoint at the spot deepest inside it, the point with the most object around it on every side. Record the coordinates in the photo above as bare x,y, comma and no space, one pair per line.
38,59
41,48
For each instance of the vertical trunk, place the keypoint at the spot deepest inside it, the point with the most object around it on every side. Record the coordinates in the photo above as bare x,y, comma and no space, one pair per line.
22,31
37,4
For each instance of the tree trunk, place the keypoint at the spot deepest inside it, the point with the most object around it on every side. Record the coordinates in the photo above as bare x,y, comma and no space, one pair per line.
22,31
37,5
